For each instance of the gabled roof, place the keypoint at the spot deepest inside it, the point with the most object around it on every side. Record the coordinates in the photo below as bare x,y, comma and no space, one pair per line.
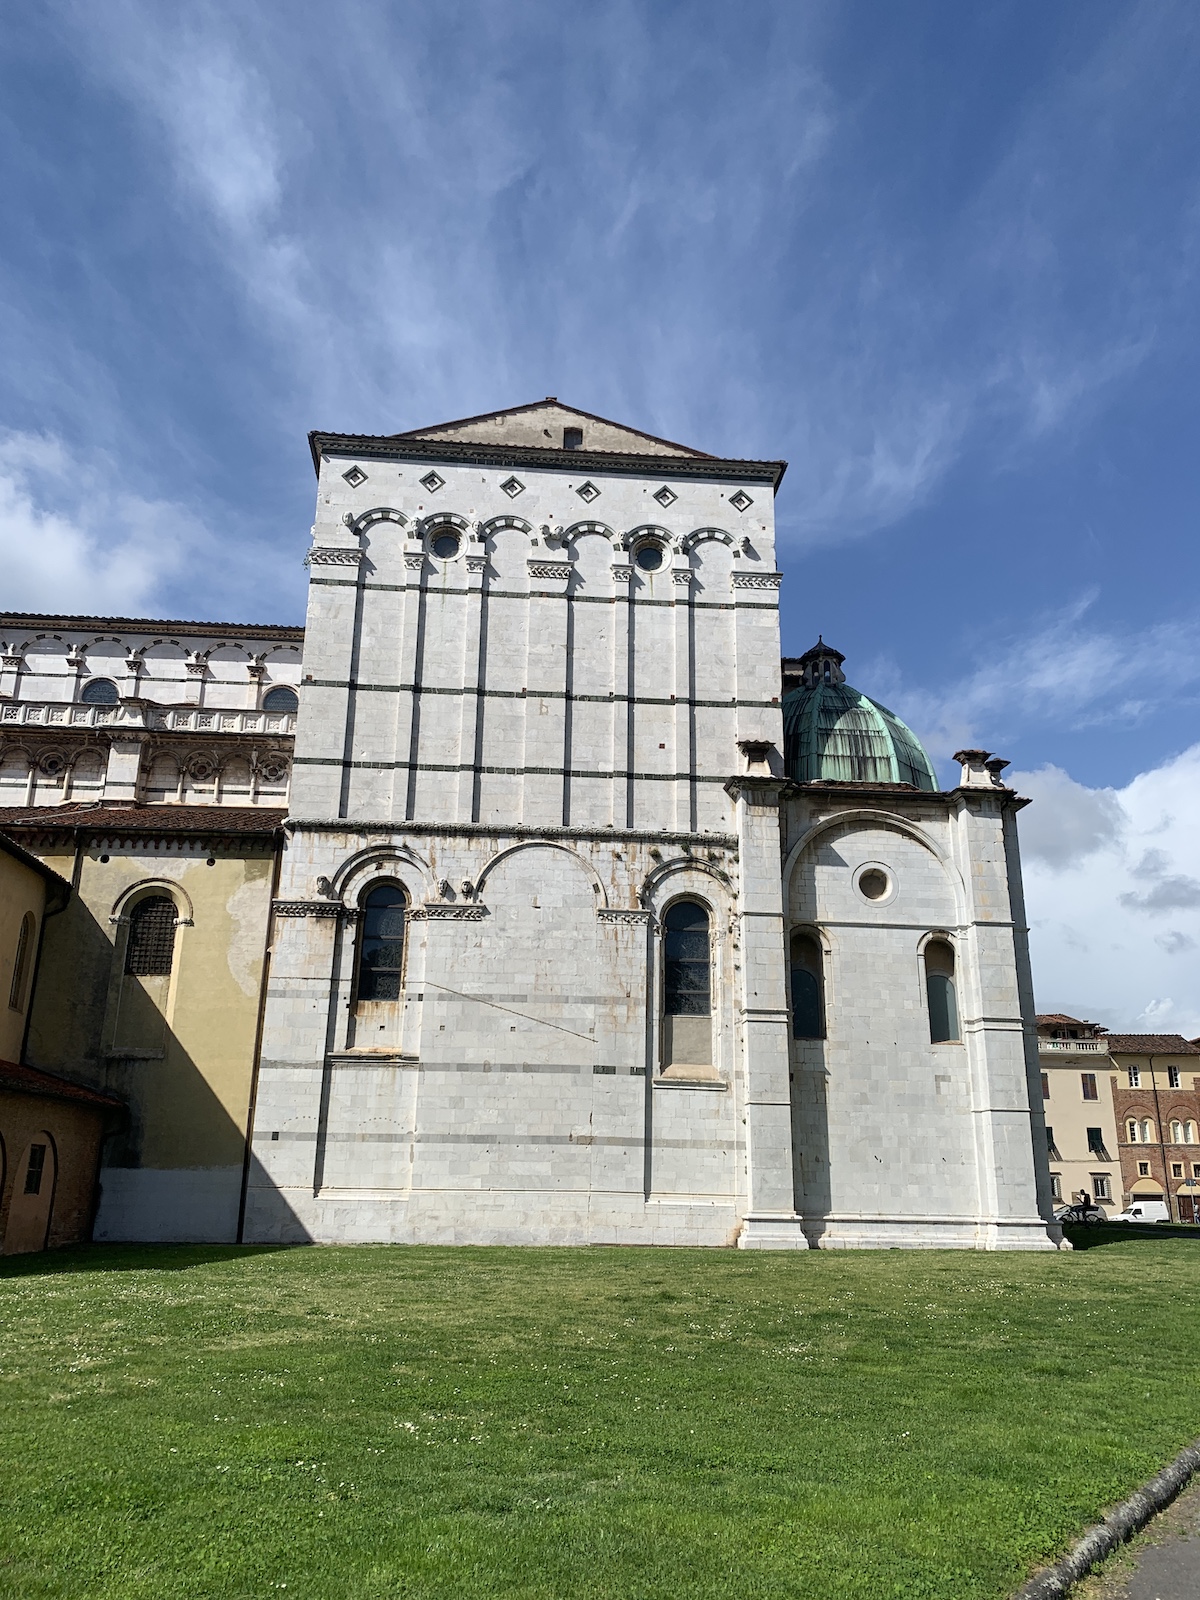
540,425
533,435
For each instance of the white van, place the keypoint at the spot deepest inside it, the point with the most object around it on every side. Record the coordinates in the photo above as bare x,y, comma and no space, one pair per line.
1144,1211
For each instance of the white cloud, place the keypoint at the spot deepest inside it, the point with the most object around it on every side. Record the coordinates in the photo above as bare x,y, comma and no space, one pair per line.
73,540
1112,886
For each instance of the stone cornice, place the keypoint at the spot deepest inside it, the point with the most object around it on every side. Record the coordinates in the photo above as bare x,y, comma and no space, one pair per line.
576,462
511,830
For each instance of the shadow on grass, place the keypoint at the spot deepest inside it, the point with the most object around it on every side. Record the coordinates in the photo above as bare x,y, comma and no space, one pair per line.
129,1258
1085,1238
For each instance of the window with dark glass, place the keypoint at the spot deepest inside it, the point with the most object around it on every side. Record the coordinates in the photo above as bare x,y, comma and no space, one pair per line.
281,698
99,692
381,943
151,944
1088,1082
1045,1086
33,1172
687,980
939,991
1172,1077
1095,1139
572,438
808,1011
1051,1147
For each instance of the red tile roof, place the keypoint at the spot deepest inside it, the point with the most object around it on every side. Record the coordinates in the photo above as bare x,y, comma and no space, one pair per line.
1056,1019
144,821
28,1080
1146,1044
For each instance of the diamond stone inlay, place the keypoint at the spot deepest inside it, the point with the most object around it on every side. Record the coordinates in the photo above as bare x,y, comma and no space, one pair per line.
433,481
513,487
588,492
355,476
740,501
665,496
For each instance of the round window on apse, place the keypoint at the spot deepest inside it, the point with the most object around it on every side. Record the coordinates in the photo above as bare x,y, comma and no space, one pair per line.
649,557
445,546
873,883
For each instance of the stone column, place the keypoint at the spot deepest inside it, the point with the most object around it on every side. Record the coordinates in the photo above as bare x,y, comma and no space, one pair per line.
771,1222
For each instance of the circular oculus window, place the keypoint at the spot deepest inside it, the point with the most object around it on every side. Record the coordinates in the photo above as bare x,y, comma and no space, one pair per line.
445,546
649,557
874,884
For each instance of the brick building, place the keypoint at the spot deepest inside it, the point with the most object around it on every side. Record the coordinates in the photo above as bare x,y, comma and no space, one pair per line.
1156,1105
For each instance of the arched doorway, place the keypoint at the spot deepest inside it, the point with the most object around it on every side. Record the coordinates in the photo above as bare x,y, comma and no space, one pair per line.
32,1203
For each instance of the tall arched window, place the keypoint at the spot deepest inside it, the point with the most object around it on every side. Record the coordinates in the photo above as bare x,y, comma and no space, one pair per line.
1189,1133
687,987
381,943
151,946
1141,1130
21,961
99,692
939,990
808,1008
1176,1132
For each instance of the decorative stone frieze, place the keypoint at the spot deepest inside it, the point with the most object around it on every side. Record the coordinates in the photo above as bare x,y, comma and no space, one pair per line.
334,555
448,913
307,908
756,580
558,570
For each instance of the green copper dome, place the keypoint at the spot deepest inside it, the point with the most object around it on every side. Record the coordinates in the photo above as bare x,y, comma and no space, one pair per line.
834,734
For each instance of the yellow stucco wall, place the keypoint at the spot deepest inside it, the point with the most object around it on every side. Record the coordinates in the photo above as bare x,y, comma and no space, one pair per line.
178,1049
22,891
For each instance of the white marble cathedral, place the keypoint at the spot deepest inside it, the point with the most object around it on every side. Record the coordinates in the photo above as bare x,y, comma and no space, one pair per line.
573,941
585,918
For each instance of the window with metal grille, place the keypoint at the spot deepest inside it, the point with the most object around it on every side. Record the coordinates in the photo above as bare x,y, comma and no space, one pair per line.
33,1172
381,944
151,937
1100,1186
281,698
687,976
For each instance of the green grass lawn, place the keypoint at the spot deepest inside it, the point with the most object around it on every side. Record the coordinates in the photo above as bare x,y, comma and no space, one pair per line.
374,1422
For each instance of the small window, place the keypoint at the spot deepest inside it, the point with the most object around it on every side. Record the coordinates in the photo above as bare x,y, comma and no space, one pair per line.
1095,1139
381,946
99,692
1135,1077
687,978
1088,1083
1143,1169
33,1172
808,1012
1045,1086
572,438
1177,1169
21,960
1196,1169
1101,1187
446,546
649,557
1056,1186
151,946
1172,1077
939,988
283,699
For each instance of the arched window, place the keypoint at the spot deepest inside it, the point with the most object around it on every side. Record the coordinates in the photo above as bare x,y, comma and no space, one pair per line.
687,988
151,946
1189,1133
939,990
282,699
1141,1131
1176,1132
99,692
808,1010
21,961
381,943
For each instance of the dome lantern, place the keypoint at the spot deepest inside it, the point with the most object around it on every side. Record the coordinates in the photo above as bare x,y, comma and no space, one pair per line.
834,734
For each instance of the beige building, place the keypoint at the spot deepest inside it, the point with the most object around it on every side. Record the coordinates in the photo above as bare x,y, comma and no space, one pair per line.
50,1129
1077,1099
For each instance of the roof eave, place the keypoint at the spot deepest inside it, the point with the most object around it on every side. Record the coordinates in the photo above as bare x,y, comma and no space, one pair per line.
471,453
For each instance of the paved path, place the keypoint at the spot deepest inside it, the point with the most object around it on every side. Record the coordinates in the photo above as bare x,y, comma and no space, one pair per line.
1164,1564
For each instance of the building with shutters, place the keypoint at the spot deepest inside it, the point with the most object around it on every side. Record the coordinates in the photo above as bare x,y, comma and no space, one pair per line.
589,920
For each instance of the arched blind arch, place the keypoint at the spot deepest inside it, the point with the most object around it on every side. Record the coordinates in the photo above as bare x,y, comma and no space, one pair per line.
381,943
151,946
808,1008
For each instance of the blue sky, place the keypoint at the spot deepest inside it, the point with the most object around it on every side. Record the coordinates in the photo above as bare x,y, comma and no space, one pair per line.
940,257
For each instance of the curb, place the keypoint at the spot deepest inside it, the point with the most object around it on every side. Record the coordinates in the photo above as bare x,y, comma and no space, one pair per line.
1120,1525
